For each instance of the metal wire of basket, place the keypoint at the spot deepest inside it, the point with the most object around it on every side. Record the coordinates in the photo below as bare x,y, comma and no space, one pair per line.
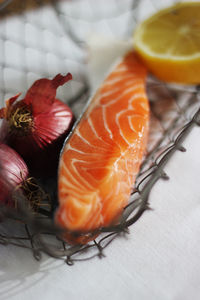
174,110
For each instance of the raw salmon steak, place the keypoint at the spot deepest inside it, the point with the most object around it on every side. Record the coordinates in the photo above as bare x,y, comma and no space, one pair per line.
102,157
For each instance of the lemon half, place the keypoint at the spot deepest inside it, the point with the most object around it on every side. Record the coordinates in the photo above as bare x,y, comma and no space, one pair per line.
169,43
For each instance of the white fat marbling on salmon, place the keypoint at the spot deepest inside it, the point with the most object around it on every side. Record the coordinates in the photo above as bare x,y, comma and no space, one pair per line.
96,134
105,123
117,99
100,164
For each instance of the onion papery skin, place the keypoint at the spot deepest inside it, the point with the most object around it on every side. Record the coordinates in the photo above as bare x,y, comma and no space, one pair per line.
48,120
13,172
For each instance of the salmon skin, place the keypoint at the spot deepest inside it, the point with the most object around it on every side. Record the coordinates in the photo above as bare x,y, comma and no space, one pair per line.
102,157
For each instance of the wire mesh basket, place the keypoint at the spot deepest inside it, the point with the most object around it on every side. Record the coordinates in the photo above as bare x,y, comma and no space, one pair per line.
40,38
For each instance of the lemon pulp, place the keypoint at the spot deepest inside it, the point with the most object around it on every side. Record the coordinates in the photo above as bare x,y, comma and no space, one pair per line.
169,43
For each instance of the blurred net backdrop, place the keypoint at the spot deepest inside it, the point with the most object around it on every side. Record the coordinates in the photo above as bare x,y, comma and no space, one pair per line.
40,38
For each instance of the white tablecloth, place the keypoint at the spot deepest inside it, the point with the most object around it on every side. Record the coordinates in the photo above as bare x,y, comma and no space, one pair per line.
159,259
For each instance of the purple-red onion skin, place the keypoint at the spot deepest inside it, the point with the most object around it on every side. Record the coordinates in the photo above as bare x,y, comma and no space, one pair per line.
13,171
51,121
47,128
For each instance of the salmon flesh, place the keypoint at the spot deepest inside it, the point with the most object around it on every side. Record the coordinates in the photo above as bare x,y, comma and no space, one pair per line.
102,157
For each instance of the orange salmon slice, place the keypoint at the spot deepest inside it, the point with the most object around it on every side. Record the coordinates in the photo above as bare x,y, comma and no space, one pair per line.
102,157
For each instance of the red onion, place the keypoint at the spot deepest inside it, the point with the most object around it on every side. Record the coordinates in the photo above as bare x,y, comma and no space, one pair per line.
37,125
13,172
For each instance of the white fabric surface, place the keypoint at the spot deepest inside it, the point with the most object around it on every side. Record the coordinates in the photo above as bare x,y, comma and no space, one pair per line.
159,259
